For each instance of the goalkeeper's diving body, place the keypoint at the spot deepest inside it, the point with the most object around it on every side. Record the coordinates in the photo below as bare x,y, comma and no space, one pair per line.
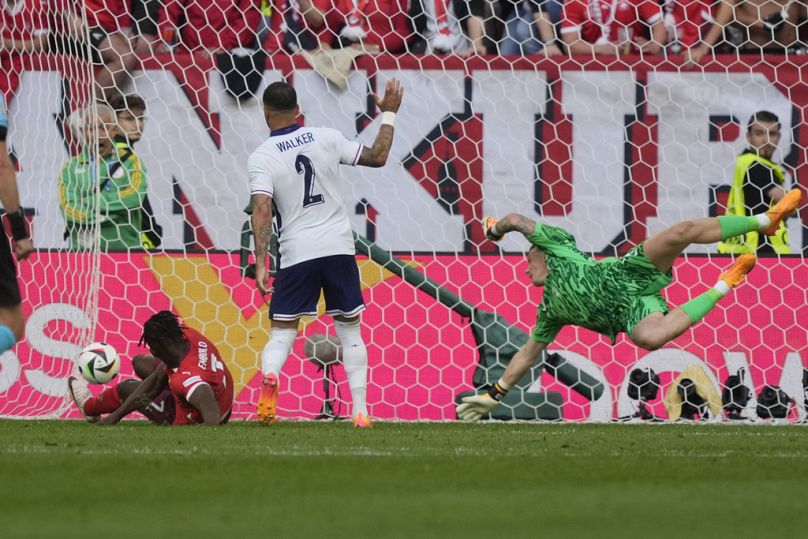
616,295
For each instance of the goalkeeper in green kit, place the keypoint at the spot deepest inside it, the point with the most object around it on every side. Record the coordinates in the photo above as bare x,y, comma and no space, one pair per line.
616,295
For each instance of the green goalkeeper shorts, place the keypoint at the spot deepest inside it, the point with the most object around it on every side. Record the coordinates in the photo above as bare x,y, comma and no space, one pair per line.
642,306
639,282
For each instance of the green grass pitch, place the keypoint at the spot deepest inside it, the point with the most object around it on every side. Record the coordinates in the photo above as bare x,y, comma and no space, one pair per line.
70,479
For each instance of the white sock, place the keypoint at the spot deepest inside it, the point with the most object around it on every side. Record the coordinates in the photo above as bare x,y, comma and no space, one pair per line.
722,288
355,360
277,350
764,222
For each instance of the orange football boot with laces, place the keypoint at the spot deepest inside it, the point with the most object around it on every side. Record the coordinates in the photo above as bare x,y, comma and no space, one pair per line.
782,209
736,273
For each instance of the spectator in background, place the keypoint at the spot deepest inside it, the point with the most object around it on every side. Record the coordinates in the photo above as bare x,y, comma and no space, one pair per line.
130,111
111,37
212,26
295,25
120,181
440,27
375,26
754,26
528,29
56,26
478,14
613,27
24,29
686,20
145,14
758,184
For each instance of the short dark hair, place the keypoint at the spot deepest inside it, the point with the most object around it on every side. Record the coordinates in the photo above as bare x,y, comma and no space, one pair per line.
763,116
280,96
163,327
129,102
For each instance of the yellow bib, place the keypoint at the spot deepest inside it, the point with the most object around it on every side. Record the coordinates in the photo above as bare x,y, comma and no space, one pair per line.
748,243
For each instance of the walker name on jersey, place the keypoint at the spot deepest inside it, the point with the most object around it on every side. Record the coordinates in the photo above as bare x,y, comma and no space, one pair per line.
300,140
613,156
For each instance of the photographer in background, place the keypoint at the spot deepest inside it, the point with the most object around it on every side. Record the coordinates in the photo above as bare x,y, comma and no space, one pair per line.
130,111
119,187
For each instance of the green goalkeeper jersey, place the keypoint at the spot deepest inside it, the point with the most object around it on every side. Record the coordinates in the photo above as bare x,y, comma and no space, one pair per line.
606,296
122,185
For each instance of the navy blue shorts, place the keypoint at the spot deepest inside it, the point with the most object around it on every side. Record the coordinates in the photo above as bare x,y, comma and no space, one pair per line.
297,288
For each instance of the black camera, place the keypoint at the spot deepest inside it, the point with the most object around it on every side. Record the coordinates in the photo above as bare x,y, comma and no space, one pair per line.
735,395
773,403
693,406
643,386
805,388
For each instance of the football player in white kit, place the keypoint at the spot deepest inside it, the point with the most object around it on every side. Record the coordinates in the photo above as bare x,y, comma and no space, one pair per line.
294,176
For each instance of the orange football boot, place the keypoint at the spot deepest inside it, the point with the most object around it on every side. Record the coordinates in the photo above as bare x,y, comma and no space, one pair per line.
736,273
268,400
782,209
362,421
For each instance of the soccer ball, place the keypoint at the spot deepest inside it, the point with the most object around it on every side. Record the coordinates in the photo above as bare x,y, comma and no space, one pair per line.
98,363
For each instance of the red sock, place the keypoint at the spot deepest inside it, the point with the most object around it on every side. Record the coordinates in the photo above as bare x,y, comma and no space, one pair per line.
105,403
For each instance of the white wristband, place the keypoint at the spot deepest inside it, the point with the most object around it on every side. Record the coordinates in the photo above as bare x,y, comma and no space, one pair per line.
501,383
388,118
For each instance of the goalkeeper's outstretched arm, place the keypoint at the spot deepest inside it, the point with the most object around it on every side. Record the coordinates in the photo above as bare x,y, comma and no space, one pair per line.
513,222
474,407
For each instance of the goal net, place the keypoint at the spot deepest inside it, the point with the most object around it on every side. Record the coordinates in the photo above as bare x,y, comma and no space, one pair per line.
613,148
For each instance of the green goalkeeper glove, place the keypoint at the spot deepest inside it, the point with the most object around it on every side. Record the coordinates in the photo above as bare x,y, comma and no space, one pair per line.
476,406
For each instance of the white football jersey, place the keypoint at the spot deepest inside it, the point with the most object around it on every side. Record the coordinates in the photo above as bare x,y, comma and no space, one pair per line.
299,168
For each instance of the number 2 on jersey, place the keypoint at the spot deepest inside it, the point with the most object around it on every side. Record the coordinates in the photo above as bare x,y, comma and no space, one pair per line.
303,165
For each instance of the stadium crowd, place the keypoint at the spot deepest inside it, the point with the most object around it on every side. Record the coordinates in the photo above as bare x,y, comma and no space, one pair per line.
118,32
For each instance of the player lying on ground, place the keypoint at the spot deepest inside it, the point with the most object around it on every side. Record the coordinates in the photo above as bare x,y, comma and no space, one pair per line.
159,410
191,369
616,294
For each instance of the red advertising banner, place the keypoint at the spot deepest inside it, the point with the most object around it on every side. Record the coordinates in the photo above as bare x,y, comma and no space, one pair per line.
421,353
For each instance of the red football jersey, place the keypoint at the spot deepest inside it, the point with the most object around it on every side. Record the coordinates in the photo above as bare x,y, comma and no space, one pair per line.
195,24
597,18
691,17
201,365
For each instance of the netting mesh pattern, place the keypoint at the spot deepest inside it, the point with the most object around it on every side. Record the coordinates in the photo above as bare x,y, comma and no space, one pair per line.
613,144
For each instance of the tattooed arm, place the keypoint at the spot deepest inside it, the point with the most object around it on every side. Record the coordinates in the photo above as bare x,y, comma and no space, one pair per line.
510,223
376,156
262,231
